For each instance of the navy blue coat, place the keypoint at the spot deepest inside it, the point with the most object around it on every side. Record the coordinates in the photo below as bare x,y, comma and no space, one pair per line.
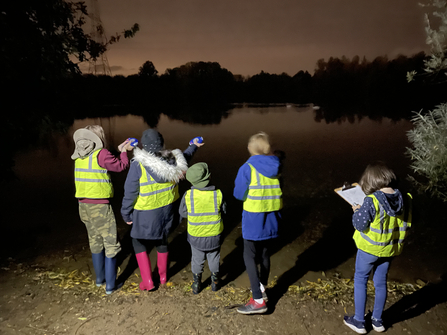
152,224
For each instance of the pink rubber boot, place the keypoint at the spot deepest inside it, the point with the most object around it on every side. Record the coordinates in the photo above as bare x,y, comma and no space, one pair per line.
144,263
162,264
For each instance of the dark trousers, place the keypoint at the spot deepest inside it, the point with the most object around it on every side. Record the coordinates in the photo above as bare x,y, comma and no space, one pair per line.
256,254
142,245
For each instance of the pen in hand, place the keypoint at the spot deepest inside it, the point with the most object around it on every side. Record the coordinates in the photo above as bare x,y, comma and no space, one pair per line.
355,207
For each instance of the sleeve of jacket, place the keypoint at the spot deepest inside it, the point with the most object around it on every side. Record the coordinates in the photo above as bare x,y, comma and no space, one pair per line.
182,210
131,191
362,218
189,152
242,182
112,163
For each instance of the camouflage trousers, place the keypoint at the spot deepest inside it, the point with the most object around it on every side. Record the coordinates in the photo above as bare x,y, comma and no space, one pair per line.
100,222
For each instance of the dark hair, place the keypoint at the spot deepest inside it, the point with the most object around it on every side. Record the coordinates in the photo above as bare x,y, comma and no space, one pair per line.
375,177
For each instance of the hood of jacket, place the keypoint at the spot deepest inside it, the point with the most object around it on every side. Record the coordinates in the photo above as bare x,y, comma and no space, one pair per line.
268,166
392,203
162,168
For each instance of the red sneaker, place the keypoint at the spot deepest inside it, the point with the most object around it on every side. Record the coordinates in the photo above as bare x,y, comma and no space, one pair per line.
252,307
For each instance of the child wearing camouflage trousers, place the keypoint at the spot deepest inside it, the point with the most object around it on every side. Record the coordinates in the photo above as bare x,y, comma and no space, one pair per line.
93,190
203,206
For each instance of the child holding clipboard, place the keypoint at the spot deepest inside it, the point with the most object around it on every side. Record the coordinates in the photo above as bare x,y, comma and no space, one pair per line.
381,224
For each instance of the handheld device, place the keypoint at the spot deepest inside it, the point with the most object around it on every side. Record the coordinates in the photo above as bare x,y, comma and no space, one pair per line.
133,141
199,140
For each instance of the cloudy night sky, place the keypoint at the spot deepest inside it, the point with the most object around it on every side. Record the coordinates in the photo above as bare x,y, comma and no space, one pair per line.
250,36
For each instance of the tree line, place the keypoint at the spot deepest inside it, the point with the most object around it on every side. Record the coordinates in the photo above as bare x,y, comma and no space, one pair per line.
355,83
44,41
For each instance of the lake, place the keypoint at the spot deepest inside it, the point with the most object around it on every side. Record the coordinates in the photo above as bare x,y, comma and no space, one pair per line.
316,234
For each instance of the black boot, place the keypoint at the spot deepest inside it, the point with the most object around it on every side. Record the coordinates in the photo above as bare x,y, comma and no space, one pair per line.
197,281
215,281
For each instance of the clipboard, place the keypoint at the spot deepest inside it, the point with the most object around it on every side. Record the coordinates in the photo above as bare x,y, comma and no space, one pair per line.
352,193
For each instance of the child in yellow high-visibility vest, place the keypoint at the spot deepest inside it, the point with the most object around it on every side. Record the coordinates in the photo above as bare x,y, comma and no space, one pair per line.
257,184
150,196
381,224
203,206
93,190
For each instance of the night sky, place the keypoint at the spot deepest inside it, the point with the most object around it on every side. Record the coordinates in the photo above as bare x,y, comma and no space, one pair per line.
250,36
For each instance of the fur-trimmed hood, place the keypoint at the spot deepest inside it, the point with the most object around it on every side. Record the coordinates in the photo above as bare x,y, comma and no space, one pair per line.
162,168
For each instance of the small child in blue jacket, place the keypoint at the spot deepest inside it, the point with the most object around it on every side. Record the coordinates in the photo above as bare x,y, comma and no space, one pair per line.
257,185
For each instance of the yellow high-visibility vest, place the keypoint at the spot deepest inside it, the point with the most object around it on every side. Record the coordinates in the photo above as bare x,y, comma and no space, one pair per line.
385,235
154,195
204,216
91,180
264,194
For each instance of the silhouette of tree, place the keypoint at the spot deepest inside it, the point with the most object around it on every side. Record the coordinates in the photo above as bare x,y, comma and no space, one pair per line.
147,70
270,88
198,82
44,41
302,87
377,87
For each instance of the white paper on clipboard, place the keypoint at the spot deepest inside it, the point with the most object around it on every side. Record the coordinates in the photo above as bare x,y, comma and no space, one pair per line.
353,194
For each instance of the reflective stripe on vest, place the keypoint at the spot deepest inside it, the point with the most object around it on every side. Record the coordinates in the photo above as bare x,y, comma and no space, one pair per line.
91,180
204,217
154,195
385,235
264,194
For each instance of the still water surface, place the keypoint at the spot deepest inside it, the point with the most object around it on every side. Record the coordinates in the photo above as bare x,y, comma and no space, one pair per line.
316,232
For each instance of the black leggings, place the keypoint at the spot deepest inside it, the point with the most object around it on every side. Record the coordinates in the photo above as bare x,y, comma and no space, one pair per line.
142,245
257,253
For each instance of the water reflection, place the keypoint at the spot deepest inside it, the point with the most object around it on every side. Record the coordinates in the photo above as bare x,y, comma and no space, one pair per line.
319,156
203,115
353,113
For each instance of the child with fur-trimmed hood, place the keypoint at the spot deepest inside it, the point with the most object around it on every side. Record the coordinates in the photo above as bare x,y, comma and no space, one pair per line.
150,192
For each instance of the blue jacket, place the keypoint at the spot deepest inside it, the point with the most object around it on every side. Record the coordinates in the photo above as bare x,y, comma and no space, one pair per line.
257,226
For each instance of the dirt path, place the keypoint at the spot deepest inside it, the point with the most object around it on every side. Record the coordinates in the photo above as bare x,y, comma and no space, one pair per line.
39,296
39,300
